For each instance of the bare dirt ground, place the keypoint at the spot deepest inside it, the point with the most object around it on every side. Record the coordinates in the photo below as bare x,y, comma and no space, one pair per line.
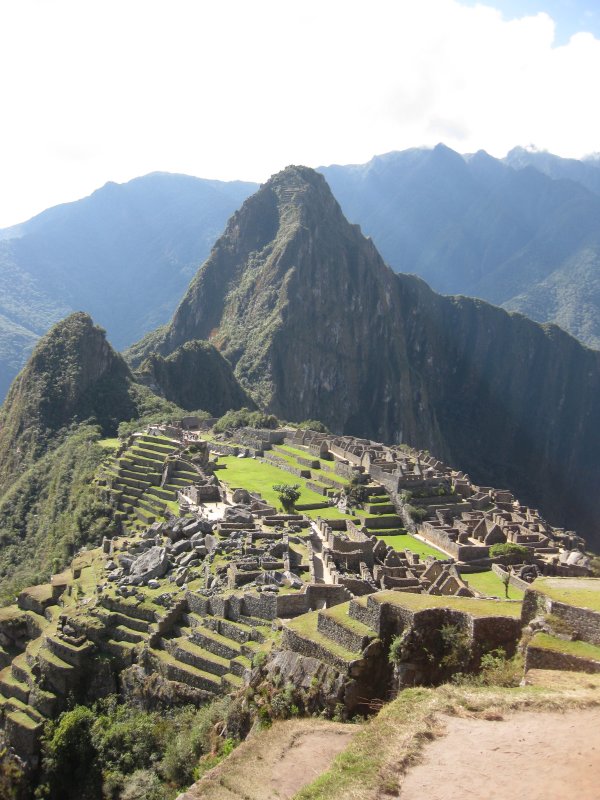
534,755
276,763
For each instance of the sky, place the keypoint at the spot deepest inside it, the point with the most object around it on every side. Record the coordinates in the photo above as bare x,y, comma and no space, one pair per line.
95,91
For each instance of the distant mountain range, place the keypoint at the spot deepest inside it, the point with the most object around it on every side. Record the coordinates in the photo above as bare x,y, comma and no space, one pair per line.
125,255
522,232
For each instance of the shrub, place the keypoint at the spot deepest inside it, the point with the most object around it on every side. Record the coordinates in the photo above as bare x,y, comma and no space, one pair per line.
313,425
416,513
356,492
457,647
512,553
244,418
498,670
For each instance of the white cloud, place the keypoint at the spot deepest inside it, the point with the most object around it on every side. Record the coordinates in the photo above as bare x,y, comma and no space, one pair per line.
94,91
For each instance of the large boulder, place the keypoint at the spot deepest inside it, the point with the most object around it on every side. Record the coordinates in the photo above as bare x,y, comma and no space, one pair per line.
154,563
238,515
241,496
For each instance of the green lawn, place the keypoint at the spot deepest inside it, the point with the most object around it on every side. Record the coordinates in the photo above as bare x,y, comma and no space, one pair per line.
472,605
293,451
259,476
109,444
489,583
583,592
405,541
581,649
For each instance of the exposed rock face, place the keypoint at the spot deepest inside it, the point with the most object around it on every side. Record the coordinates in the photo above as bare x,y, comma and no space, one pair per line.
317,326
152,564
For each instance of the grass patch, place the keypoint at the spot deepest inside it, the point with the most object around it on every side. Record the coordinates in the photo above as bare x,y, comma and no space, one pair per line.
489,583
259,476
109,443
582,592
408,542
470,605
306,626
576,648
340,614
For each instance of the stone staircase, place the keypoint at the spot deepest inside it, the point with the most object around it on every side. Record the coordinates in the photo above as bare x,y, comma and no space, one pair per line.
24,704
203,650
135,479
209,652
335,636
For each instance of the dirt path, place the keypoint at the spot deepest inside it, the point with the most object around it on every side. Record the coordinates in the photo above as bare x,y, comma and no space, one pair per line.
536,756
276,763
307,756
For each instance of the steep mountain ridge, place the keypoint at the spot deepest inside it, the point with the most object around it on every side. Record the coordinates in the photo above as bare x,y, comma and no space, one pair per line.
478,226
195,376
317,326
125,254
72,376
291,277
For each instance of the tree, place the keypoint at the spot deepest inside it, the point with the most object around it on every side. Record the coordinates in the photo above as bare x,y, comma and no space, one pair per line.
356,492
288,495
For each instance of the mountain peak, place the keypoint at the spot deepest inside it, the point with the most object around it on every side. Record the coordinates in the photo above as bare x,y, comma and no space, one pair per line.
72,375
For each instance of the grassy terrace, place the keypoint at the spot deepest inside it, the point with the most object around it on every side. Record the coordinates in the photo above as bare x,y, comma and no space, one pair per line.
580,649
306,626
339,613
109,444
489,583
583,592
405,541
470,605
259,476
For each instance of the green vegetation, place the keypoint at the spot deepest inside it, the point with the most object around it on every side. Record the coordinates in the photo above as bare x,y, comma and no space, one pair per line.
149,409
243,418
312,425
510,552
194,376
417,513
109,443
569,648
51,511
405,541
119,751
491,584
470,605
357,492
288,494
306,626
584,592
260,476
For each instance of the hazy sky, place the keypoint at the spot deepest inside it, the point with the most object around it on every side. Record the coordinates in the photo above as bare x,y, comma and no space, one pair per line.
95,91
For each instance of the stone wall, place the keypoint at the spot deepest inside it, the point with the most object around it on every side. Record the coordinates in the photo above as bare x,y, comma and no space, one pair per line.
584,623
542,658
